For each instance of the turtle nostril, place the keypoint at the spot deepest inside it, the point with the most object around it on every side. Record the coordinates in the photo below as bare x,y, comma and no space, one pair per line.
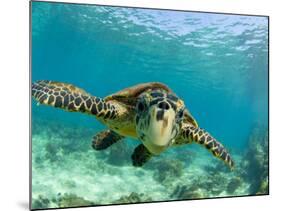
164,105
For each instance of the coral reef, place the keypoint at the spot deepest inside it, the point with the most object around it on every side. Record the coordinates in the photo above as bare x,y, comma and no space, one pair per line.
65,158
264,187
133,198
40,203
65,200
256,162
233,185
213,181
71,200
185,192
166,170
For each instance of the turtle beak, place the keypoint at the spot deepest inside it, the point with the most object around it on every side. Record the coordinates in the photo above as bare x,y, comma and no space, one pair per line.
160,131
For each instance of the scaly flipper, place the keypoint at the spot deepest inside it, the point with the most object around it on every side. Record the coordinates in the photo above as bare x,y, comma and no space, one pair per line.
192,134
71,98
105,139
140,155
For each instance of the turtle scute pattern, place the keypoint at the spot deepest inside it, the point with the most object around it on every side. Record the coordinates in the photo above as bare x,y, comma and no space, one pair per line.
200,136
71,98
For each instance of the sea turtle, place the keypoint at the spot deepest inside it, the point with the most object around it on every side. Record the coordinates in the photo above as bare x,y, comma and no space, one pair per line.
150,112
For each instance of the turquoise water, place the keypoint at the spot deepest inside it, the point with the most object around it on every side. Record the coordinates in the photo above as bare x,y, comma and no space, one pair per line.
217,63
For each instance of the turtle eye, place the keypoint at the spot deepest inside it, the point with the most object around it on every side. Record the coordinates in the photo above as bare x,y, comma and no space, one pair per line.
141,106
180,114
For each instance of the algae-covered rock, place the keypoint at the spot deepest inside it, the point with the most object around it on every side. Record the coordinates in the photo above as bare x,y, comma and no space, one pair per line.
133,198
233,185
213,182
40,203
256,160
264,187
203,186
188,192
166,170
71,200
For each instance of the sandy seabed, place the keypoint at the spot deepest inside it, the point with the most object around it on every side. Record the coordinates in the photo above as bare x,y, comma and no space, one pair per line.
67,172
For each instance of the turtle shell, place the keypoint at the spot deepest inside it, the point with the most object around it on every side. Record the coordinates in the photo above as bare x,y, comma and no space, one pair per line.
128,96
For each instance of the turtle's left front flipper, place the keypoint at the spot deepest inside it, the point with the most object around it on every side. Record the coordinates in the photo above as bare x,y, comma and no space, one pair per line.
105,139
71,98
191,134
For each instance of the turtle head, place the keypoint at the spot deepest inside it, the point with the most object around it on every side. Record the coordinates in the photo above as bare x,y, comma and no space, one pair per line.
158,119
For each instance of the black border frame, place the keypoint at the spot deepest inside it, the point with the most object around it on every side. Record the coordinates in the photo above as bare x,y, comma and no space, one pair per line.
135,7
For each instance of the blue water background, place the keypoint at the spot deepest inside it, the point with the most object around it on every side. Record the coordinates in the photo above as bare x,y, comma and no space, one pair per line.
217,63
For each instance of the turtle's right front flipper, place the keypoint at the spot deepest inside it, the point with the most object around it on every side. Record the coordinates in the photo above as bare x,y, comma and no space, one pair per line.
71,98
